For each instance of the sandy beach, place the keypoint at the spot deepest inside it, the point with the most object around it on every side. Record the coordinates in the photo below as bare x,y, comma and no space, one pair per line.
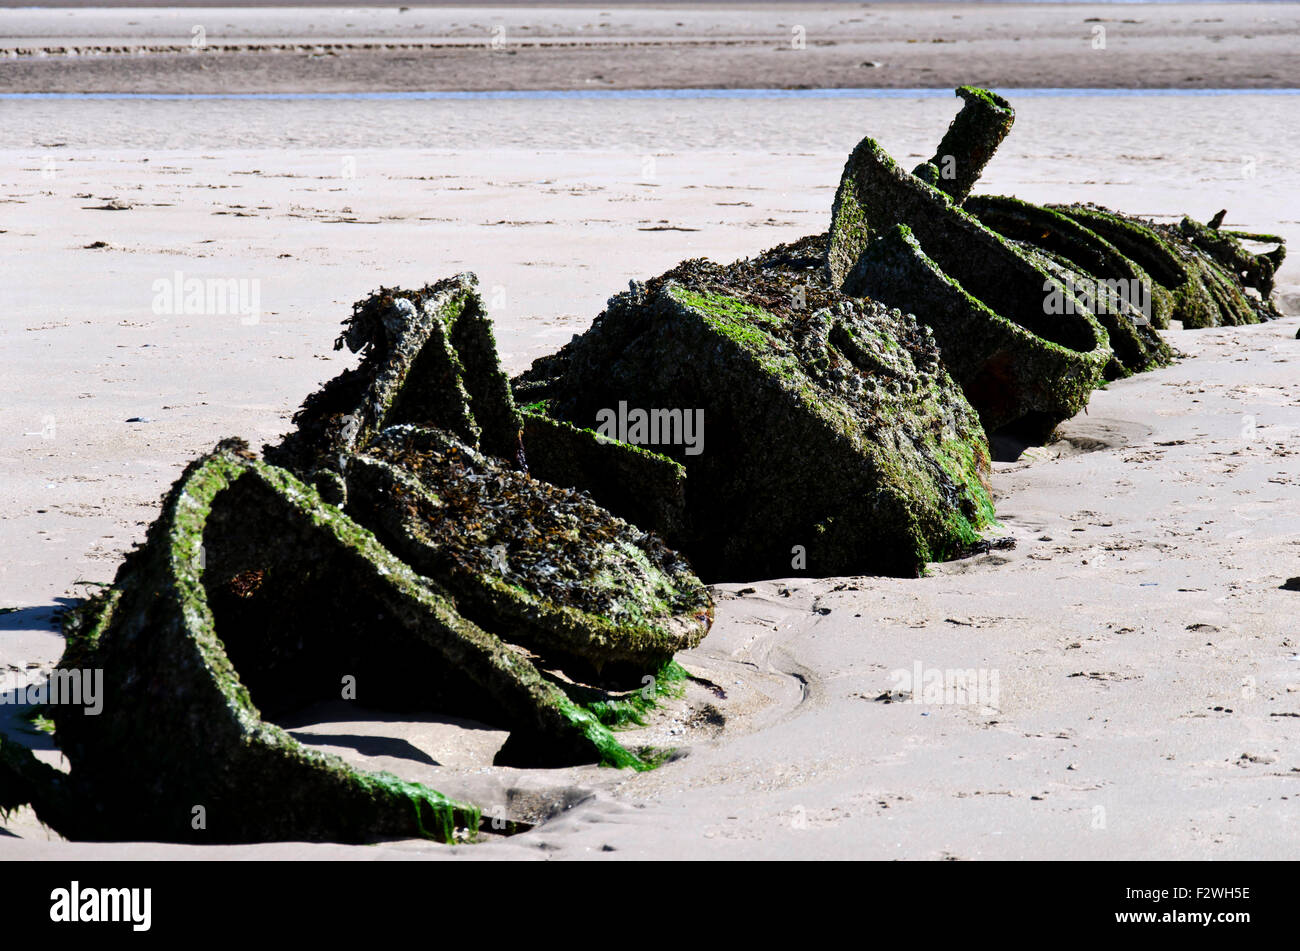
615,46
1144,644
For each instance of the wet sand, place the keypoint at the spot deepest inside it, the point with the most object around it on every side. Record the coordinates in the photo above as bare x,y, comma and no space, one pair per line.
812,45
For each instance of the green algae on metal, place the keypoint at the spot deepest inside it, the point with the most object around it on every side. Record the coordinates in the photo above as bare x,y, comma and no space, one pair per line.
1124,298
645,487
824,416
1012,375
252,597
1205,272
1096,286
552,571
428,358
420,532
963,264
180,728
519,554
968,145
559,572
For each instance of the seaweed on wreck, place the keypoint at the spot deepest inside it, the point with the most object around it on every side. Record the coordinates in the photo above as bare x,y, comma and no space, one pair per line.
559,573
833,433
973,136
250,598
625,708
552,571
417,562
1207,272
1093,285
645,487
428,357
180,728
1031,308
1018,379
977,285
1123,297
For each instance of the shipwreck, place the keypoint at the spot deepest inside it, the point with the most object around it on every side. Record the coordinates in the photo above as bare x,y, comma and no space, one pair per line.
493,547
